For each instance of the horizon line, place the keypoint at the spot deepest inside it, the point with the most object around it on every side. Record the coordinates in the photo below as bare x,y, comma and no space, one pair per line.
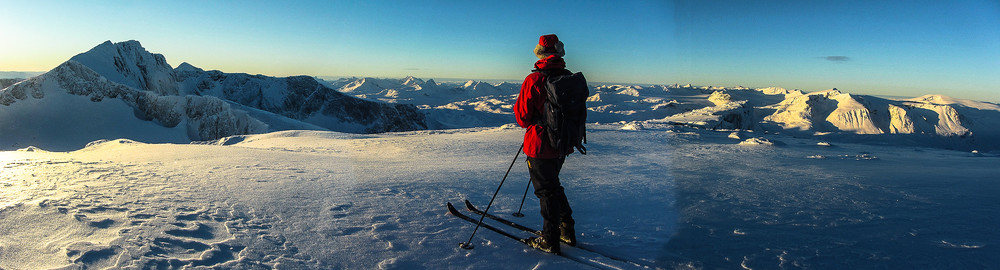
324,77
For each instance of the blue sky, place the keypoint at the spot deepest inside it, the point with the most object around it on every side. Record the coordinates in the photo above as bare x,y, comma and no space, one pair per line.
905,48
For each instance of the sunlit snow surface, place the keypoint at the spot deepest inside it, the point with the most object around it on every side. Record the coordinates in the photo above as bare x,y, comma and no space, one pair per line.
664,195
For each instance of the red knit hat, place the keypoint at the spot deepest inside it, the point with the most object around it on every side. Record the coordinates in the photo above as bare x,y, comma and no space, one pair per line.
549,45
548,41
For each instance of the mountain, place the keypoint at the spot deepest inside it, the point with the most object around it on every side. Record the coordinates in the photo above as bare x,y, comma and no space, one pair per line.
154,93
933,120
18,74
8,82
825,111
301,98
72,105
130,64
833,111
150,101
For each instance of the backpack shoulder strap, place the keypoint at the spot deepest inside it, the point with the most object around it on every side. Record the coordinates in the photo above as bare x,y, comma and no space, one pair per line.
550,72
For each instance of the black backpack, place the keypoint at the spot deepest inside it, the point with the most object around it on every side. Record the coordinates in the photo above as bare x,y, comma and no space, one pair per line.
565,110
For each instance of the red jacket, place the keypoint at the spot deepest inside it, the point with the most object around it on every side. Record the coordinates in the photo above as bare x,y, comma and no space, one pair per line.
528,109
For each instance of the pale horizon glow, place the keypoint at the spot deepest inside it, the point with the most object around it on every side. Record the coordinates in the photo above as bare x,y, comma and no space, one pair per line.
897,48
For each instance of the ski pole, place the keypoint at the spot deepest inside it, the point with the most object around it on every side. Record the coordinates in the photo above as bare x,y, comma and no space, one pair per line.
468,244
518,214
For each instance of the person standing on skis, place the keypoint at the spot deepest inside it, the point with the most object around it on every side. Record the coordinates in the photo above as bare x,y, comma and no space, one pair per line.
544,161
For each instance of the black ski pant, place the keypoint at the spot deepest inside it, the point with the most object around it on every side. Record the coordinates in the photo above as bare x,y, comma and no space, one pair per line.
555,207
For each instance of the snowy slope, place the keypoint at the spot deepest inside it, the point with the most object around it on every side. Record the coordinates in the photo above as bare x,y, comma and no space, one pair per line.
668,196
72,105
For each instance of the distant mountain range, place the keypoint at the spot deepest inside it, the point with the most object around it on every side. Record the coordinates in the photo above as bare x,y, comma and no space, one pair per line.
932,120
18,75
120,90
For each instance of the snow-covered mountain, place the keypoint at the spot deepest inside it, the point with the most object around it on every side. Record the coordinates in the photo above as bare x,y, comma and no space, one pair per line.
930,120
130,64
366,105
301,98
120,90
957,123
72,105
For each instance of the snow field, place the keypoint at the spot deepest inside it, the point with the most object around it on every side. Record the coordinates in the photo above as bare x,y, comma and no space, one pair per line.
670,196
310,199
861,207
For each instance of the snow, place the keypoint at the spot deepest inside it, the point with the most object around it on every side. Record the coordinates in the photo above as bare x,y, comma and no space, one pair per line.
687,198
102,174
71,105
70,122
202,105
130,64
757,141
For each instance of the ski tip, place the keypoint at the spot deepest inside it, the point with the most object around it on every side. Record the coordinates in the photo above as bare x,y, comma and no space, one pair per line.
451,209
469,205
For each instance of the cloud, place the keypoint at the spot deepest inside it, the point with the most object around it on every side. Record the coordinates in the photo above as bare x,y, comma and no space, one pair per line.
837,58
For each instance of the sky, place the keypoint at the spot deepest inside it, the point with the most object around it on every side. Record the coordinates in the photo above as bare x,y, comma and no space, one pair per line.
893,47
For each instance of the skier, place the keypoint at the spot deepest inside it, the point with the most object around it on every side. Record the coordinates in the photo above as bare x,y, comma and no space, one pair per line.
544,161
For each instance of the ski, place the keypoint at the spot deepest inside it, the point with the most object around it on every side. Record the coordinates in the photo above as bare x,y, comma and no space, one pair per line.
473,208
454,212
585,261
